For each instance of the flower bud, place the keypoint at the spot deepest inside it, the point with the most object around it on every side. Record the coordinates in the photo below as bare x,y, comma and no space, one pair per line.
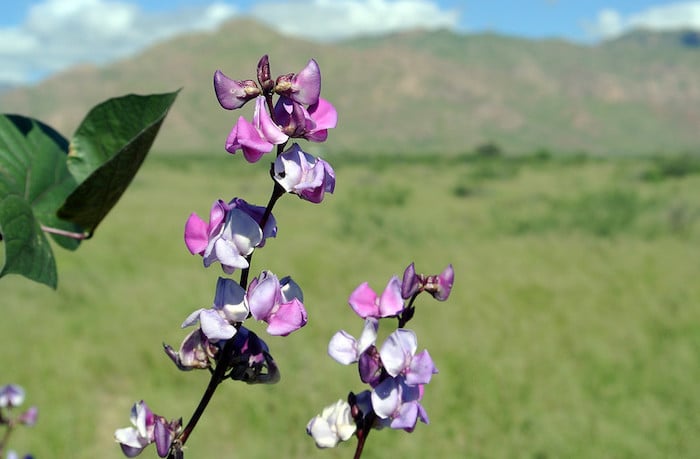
264,74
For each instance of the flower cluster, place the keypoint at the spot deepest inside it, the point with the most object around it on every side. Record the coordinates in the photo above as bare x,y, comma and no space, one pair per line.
11,397
219,341
299,112
394,371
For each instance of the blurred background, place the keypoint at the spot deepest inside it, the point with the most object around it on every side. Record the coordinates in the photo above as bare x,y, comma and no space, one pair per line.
549,150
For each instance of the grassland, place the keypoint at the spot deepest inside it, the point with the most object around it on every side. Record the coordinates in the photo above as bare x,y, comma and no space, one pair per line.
573,329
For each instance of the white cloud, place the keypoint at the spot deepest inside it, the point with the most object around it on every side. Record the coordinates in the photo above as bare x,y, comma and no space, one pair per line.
57,34
673,16
338,19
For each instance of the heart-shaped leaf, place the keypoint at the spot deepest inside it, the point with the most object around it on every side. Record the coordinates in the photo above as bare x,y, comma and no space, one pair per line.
34,182
106,152
43,188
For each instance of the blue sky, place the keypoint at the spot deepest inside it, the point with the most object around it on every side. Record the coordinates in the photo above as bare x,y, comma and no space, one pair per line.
41,37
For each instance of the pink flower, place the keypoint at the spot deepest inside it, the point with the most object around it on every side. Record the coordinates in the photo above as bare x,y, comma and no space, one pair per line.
279,304
365,302
256,138
304,175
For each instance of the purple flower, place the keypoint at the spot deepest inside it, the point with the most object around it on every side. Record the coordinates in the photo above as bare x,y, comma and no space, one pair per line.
29,417
345,349
230,235
11,395
333,425
398,357
365,302
439,286
257,212
196,352
397,404
251,361
141,433
280,305
146,428
233,94
304,175
322,116
257,138
229,307
304,87
312,123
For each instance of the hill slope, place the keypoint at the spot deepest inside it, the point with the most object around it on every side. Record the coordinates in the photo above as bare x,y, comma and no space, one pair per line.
416,91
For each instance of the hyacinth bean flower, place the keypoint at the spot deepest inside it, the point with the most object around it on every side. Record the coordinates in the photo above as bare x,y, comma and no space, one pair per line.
345,349
146,428
196,352
365,302
29,417
279,304
228,238
333,425
233,94
304,175
398,355
251,361
257,213
11,395
141,433
397,404
304,87
256,138
439,286
229,307
311,123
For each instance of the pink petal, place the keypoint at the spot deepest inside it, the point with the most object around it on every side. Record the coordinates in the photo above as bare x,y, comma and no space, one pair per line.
245,137
363,301
391,302
196,234
289,317
263,122
307,84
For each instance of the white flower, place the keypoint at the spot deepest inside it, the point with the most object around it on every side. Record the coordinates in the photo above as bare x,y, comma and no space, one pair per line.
334,424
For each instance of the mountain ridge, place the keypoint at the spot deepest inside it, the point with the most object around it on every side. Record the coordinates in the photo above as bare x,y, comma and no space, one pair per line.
435,91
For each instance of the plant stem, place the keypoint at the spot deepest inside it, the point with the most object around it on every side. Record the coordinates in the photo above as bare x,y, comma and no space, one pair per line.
222,362
363,433
70,234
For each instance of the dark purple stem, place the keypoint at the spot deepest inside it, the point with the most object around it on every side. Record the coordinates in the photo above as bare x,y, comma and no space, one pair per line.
222,363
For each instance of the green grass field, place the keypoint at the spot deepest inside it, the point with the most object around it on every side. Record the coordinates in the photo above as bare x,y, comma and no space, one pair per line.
573,329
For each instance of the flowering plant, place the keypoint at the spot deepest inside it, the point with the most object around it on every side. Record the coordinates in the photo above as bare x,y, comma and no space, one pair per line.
11,397
287,109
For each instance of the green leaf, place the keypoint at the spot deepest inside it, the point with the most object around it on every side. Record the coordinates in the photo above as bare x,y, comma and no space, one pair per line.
34,182
106,152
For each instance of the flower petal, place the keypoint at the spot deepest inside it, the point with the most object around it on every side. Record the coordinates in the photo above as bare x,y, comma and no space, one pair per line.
391,301
214,326
196,234
363,301
289,317
385,398
421,369
397,350
343,348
